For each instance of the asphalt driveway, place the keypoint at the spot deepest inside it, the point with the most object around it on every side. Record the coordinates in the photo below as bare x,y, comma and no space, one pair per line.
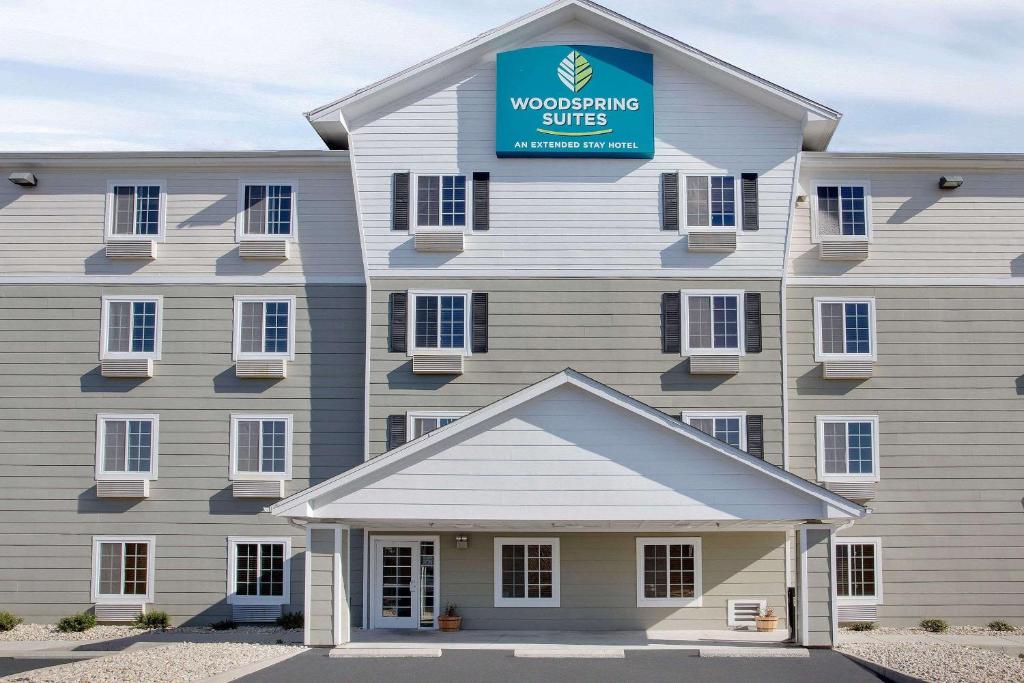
482,666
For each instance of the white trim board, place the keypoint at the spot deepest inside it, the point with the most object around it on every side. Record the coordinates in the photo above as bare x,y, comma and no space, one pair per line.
302,504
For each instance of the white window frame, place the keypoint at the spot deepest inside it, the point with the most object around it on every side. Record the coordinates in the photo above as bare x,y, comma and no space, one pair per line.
740,349
289,436
101,436
556,572
414,201
876,541
413,350
684,227
689,415
158,338
108,212
820,422
232,597
819,355
816,236
240,226
698,578
413,415
107,599
236,346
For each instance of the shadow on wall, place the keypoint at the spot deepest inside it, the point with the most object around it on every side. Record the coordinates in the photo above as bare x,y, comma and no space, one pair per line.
811,383
678,378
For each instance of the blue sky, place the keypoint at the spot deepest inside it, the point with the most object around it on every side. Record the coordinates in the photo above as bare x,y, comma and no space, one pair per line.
908,75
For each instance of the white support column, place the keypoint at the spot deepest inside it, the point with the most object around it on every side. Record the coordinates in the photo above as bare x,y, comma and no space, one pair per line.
816,616
326,601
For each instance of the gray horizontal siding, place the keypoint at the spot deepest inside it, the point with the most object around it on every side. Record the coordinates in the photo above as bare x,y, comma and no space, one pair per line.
50,393
947,392
608,329
58,227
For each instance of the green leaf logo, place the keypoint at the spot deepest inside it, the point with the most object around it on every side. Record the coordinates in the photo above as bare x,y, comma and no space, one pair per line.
575,71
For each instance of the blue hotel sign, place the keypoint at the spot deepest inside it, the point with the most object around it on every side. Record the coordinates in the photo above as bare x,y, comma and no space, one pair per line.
575,101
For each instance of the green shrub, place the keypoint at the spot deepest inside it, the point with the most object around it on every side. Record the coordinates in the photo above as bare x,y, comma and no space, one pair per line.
935,625
76,623
992,626
863,626
226,625
290,620
154,619
8,621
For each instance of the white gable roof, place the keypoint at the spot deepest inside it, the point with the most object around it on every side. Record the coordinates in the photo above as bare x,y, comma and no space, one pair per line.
567,449
330,120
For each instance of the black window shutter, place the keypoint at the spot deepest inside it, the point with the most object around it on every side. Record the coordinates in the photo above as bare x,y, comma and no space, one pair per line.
479,322
669,201
671,323
400,201
481,200
755,435
748,189
396,431
752,321
397,321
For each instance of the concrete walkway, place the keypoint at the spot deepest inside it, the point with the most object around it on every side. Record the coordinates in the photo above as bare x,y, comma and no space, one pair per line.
565,644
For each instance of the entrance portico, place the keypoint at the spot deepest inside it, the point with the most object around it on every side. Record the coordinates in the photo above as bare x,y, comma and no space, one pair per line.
569,507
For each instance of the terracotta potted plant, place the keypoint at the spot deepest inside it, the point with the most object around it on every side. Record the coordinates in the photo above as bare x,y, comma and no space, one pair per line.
766,621
450,620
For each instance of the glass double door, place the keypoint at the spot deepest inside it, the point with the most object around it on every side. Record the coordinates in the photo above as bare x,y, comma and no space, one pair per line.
405,583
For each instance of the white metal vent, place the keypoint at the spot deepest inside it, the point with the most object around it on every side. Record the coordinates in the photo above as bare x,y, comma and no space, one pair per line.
263,368
848,613
250,613
854,490
263,249
436,365
123,488
440,240
131,249
843,250
847,369
126,368
742,612
258,489
118,613
714,365
711,241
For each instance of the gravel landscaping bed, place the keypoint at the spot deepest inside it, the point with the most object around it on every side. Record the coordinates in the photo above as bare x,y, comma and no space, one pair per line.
173,663
941,662
50,632
29,632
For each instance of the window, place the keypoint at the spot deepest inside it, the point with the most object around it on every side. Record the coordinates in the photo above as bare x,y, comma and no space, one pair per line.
261,447
135,210
727,427
264,327
126,446
441,200
668,572
844,329
710,201
712,322
259,571
841,210
131,327
859,570
847,448
267,211
526,572
122,569
420,423
438,322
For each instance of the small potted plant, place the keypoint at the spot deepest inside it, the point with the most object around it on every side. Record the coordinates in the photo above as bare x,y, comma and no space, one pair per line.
766,621
450,620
